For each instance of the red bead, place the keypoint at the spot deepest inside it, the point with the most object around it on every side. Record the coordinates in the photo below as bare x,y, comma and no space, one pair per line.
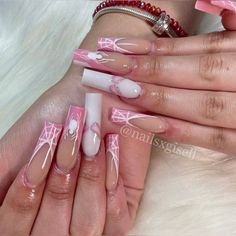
178,29
143,5
158,11
152,10
148,6
172,21
98,8
138,4
175,25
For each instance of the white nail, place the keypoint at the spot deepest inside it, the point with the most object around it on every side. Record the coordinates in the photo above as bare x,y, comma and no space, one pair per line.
111,83
92,134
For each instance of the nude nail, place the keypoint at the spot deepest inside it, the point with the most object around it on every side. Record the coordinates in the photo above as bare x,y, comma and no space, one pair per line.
104,61
125,45
40,162
70,141
112,154
110,83
92,132
208,7
145,122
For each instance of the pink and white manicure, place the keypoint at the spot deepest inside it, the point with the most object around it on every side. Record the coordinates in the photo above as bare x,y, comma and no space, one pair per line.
125,45
110,83
92,133
112,153
149,123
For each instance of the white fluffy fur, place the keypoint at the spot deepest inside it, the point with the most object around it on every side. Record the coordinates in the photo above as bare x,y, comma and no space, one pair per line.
183,197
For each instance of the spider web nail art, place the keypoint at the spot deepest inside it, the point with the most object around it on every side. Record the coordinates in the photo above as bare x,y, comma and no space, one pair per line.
113,149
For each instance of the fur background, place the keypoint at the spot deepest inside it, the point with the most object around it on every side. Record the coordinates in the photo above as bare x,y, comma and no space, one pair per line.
185,196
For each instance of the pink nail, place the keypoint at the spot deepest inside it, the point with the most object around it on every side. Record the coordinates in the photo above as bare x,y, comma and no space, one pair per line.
125,45
104,61
149,123
112,153
206,6
71,138
225,4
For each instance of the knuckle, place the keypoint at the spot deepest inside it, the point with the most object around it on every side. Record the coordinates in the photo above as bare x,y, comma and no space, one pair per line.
160,97
24,205
212,105
88,230
59,193
89,174
210,66
213,41
217,138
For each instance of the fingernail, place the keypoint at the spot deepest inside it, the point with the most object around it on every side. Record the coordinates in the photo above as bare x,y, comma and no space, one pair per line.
104,61
206,6
70,141
112,154
145,122
110,83
124,45
40,162
92,133
225,4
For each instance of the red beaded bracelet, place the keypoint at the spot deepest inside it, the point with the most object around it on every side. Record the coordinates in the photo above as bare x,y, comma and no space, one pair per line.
162,23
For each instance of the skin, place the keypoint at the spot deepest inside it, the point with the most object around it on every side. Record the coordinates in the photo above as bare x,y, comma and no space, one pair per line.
17,145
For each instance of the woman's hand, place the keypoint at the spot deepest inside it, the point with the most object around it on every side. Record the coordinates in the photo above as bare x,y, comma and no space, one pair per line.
191,80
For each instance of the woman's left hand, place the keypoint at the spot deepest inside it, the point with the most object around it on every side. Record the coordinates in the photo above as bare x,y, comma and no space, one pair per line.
191,80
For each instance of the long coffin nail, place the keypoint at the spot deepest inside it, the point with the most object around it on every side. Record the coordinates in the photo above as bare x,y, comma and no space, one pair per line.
225,4
206,6
104,61
68,149
125,45
92,133
110,83
145,122
112,154
40,162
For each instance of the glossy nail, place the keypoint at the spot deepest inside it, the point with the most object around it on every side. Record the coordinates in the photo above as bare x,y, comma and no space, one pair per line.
70,141
125,45
225,4
145,122
110,83
104,61
40,162
208,7
92,133
112,154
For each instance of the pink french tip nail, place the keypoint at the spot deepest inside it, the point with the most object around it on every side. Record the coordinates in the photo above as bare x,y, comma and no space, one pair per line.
71,138
112,153
125,45
92,133
40,162
110,83
145,122
225,4
206,6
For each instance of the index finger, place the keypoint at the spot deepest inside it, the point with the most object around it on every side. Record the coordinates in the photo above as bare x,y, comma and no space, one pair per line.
224,41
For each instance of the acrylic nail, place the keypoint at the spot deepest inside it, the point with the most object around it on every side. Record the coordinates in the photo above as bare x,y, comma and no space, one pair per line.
112,155
70,141
225,4
104,61
110,83
145,122
125,45
92,132
208,7
40,162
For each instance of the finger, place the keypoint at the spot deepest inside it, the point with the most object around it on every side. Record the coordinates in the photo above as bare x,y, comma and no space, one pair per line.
89,207
60,187
202,107
229,19
205,43
215,138
207,71
24,196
